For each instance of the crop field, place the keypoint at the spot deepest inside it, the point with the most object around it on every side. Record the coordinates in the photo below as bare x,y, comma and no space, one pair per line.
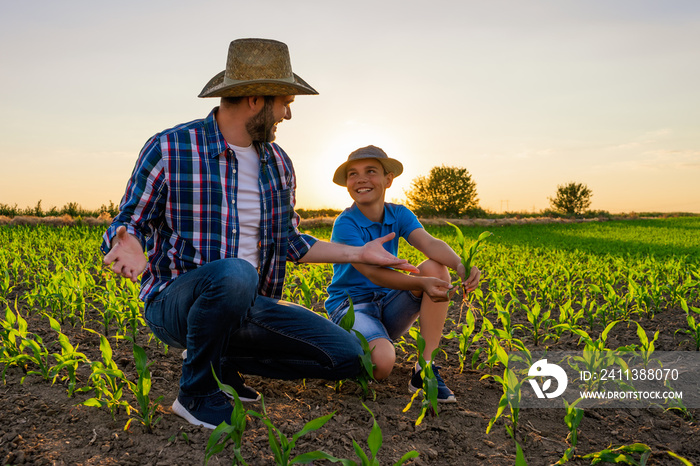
85,382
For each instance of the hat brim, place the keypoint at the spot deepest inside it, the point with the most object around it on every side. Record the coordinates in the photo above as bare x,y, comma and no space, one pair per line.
340,177
217,88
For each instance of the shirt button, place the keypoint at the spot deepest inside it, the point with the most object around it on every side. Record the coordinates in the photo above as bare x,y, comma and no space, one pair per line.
234,170
233,231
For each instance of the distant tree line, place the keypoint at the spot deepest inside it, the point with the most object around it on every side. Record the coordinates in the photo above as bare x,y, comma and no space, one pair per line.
72,208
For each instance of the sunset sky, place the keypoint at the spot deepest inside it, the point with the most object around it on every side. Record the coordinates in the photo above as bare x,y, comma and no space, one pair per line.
526,95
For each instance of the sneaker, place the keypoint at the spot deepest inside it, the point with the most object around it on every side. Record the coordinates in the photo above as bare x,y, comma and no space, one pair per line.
444,394
244,392
207,411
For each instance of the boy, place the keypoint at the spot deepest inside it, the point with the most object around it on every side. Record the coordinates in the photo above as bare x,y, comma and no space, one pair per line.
387,302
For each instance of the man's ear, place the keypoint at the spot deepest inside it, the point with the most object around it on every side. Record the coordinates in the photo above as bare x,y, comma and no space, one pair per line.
256,102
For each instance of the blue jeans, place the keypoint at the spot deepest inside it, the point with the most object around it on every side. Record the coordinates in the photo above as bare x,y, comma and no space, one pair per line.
216,313
385,315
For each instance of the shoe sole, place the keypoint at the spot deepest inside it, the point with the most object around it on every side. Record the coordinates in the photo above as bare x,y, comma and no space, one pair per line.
183,413
451,399
243,398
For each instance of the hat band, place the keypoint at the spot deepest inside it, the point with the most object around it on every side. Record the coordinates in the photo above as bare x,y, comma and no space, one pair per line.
230,82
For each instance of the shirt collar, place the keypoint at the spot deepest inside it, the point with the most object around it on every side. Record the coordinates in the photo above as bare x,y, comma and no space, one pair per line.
364,222
217,144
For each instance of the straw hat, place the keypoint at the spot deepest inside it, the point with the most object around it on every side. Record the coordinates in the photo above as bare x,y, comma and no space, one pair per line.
256,67
370,152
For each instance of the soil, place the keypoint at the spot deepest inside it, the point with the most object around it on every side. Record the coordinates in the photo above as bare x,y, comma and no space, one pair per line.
41,425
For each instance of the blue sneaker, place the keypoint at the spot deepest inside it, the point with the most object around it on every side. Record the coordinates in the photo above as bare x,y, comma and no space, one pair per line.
207,411
444,394
235,380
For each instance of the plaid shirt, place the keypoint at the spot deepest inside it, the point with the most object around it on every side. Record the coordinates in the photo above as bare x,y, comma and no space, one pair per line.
180,203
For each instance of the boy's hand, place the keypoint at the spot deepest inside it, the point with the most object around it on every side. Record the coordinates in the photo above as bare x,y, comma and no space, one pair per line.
472,281
126,256
373,253
437,290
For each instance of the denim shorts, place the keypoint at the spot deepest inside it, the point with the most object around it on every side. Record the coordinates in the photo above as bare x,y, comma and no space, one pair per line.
385,315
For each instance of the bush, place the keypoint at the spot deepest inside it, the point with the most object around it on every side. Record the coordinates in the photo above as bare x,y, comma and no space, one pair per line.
571,198
445,192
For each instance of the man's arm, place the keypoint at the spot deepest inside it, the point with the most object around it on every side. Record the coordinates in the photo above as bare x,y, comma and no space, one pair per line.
372,253
123,242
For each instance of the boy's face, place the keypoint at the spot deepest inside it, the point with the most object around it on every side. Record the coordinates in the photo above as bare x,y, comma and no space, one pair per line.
367,182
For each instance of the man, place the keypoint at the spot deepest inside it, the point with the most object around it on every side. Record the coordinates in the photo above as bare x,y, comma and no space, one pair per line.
212,203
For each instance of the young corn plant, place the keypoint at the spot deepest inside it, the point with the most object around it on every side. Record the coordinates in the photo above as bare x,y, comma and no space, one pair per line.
627,454
67,360
693,327
282,446
511,400
646,347
367,373
107,381
467,252
374,443
465,337
225,432
147,408
430,386
13,332
572,419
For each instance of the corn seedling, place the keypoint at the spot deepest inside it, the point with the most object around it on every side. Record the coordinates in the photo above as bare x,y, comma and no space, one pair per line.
282,446
107,381
693,327
67,360
374,443
430,386
367,372
572,419
467,252
627,454
147,408
226,432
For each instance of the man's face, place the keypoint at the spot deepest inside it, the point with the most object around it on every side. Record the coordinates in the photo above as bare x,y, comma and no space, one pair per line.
262,127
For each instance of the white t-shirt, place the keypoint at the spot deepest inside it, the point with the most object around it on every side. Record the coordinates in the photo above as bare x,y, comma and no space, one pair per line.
247,205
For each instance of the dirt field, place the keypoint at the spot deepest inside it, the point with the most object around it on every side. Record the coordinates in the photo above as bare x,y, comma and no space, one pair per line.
41,425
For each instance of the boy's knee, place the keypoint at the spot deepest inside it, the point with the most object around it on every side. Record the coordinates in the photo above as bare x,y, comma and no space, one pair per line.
383,357
431,268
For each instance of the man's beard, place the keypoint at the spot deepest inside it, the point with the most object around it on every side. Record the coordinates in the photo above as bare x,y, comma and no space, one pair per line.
260,127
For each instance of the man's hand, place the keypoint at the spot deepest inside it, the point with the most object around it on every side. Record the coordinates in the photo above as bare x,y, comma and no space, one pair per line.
373,253
126,256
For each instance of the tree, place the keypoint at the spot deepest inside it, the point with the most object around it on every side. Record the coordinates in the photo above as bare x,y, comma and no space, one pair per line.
572,198
445,192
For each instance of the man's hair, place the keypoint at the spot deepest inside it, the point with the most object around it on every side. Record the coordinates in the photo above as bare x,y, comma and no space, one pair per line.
231,100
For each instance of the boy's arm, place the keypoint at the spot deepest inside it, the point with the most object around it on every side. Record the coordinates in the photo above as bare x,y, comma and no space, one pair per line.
441,252
438,290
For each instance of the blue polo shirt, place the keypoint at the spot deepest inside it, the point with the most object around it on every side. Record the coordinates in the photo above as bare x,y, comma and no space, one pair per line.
353,228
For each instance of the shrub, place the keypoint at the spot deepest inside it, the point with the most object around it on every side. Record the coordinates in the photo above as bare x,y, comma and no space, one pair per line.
571,198
445,192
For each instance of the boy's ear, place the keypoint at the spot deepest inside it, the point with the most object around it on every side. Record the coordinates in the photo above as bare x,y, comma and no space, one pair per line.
389,179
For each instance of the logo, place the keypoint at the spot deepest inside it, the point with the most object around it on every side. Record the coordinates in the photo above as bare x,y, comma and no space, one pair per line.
543,369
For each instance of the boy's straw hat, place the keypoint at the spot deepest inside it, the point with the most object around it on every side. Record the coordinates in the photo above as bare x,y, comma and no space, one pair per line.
370,152
256,67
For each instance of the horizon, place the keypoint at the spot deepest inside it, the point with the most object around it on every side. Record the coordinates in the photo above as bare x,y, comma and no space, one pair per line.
526,97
